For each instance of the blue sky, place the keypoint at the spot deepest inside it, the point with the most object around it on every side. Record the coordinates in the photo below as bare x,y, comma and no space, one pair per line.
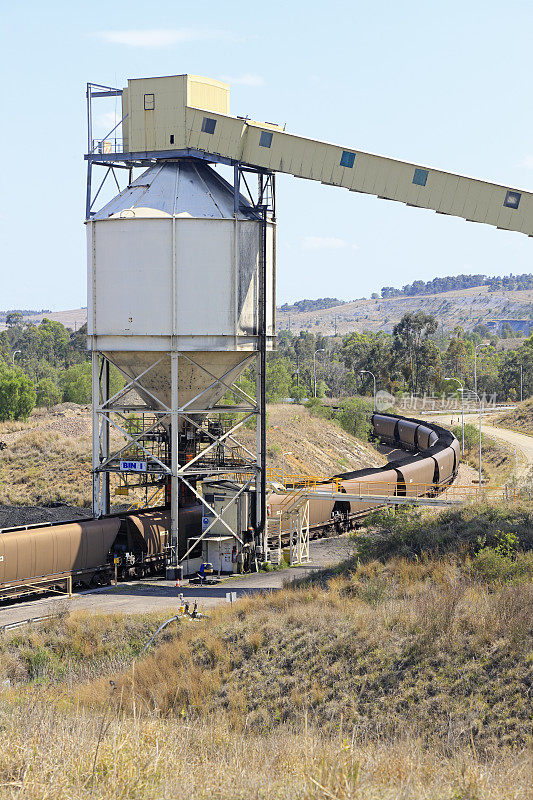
441,84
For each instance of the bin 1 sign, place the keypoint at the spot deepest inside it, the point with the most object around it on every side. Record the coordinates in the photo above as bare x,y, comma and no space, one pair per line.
133,466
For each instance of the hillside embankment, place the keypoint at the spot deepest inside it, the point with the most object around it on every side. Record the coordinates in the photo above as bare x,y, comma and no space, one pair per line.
520,419
464,307
45,468
403,672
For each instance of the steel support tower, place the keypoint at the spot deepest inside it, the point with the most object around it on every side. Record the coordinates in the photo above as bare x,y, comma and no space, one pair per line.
180,444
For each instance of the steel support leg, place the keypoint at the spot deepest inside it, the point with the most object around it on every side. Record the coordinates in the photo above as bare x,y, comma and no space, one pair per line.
174,481
104,437
261,522
95,360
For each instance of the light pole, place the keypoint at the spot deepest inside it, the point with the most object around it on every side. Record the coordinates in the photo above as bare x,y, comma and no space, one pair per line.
289,453
481,344
367,371
462,411
479,401
320,350
14,354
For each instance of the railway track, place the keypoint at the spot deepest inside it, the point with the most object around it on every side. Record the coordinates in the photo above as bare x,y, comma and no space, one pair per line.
36,558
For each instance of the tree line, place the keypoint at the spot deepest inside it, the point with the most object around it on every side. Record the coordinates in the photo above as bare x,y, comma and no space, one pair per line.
455,282
313,305
47,364
415,358
42,365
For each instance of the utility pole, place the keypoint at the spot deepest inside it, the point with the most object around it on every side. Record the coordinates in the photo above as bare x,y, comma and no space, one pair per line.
482,344
479,401
462,412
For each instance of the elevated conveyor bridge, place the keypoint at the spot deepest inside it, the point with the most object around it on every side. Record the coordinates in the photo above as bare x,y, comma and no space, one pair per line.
175,124
187,116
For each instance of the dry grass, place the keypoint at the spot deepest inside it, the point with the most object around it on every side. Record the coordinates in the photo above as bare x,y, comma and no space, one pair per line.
43,466
315,446
48,459
497,460
423,650
48,754
73,647
399,680
520,420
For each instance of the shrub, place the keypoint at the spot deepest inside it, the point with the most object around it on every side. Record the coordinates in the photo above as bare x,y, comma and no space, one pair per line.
17,394
490,564
412,532
76,383
48,393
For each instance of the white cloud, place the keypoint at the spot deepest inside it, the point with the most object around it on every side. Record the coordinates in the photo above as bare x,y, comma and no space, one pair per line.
325,243
244,80
527,162
160,37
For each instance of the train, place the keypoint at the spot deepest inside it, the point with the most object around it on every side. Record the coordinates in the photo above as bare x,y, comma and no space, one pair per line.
87,552
430,466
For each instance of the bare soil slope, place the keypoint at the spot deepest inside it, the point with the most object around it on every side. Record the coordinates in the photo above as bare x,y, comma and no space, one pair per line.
314,446
466,307
48,459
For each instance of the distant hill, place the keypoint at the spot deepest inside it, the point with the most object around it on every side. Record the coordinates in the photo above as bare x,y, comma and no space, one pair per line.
73,319
465,307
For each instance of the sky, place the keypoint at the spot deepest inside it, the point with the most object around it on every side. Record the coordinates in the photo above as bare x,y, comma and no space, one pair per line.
445,85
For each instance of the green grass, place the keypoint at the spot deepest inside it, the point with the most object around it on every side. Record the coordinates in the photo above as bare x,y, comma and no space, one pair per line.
412,532
73,647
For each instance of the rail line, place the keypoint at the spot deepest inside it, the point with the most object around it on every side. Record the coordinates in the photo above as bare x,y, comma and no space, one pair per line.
135,543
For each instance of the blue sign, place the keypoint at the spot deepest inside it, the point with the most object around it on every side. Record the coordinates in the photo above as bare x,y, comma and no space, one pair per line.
133,466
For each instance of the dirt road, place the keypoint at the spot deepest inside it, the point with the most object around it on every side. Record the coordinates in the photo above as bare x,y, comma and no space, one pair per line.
521,442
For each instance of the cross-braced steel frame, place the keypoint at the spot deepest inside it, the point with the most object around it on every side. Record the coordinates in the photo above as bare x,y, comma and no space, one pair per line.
220,452
113,412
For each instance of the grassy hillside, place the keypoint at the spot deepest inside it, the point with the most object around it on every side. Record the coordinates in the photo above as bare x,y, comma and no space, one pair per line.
467,307
520,420
48,459
402,673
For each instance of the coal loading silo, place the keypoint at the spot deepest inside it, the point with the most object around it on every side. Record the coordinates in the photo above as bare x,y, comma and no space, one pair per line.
181,300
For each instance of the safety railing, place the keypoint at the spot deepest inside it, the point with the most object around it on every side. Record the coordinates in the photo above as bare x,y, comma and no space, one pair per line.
48,583
105,146
299,485
449,492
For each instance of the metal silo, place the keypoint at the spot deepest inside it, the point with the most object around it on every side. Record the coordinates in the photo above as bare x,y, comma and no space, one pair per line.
180,300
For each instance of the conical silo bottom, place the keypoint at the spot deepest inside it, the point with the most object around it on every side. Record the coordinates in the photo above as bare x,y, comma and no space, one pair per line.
196,381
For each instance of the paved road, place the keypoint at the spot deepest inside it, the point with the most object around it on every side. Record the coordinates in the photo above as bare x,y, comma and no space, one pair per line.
138,597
